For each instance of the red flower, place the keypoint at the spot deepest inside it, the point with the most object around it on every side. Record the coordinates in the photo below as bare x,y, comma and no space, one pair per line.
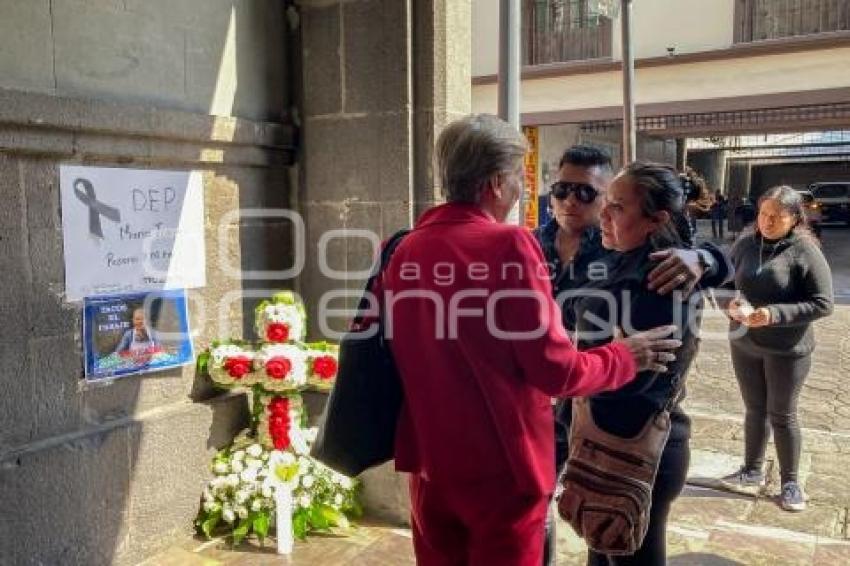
237,366
281,440
279,406
279,422
325,367
278,367
277,332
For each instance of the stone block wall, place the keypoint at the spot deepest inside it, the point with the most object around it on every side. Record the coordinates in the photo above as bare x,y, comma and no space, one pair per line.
109,473
380,80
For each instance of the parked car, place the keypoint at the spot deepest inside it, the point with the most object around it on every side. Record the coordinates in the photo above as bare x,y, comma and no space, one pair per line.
813,211
834,200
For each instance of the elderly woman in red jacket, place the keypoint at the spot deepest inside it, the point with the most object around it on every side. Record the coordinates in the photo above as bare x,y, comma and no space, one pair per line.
481,349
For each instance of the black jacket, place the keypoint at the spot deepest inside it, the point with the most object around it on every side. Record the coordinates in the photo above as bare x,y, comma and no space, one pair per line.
624,301
792,278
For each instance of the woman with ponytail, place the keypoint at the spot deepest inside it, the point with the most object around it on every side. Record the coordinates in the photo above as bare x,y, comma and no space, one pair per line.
643,212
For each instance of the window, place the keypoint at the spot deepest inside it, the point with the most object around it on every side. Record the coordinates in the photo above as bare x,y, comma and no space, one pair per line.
758,20
564,30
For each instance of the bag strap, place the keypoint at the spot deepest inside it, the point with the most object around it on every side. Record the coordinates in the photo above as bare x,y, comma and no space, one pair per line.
377,270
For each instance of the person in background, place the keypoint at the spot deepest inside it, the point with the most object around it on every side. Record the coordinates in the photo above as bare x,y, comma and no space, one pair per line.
572,244
480,350
718,216
697,198
785,284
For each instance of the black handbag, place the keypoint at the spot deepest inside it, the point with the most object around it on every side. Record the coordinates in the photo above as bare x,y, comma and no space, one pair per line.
357,430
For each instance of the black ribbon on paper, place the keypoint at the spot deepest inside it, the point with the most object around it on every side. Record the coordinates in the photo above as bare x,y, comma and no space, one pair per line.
85,192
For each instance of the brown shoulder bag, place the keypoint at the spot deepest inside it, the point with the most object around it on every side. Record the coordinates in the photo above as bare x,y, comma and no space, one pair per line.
607,484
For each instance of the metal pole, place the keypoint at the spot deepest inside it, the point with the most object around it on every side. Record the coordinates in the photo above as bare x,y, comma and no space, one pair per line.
509,64
509,77
629,125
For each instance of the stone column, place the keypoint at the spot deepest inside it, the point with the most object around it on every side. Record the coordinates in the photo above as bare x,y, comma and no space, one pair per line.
380,80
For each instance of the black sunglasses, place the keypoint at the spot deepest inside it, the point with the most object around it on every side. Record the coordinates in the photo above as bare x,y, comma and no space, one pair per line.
584,193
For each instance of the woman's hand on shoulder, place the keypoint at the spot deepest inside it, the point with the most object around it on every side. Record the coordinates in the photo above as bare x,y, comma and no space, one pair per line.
652,349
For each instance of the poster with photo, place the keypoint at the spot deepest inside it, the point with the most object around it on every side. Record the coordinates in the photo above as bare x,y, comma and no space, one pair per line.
135,333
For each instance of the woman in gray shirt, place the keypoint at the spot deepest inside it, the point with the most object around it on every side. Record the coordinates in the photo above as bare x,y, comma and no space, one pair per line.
785,284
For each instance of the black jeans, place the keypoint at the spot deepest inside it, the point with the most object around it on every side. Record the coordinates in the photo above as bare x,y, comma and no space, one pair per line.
770,386
672,473
717,226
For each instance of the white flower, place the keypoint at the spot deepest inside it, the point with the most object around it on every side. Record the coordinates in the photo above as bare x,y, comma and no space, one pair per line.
308,481
249,475
287,459
228,515
232,480
338,499
221,468
241,496
303,466
304,500
238,455
242,511
253,463
343,481
254,451
256,505
208,494
267,491
299,445
211,506
237,466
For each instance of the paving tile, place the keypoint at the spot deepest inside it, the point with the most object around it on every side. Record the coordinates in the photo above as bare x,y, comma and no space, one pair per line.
832,553
816,520
704,507
752,550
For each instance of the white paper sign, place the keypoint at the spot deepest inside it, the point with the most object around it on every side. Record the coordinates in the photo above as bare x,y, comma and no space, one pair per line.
130,230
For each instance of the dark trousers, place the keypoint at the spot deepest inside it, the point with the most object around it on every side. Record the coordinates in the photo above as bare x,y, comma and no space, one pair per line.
770,386
672,473
717,227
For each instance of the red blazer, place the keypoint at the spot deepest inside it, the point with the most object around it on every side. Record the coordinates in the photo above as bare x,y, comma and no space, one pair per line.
477,402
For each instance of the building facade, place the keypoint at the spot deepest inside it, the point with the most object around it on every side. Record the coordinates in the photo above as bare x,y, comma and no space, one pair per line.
703,68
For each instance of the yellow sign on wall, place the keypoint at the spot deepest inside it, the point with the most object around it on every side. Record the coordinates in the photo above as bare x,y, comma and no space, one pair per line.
532,166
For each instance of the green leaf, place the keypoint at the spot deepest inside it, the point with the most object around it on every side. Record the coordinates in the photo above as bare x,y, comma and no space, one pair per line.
209,523
318,519
241,530
333,517
261,525
299,525
202,363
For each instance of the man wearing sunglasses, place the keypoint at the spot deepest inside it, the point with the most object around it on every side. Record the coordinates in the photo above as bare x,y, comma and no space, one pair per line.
572,244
